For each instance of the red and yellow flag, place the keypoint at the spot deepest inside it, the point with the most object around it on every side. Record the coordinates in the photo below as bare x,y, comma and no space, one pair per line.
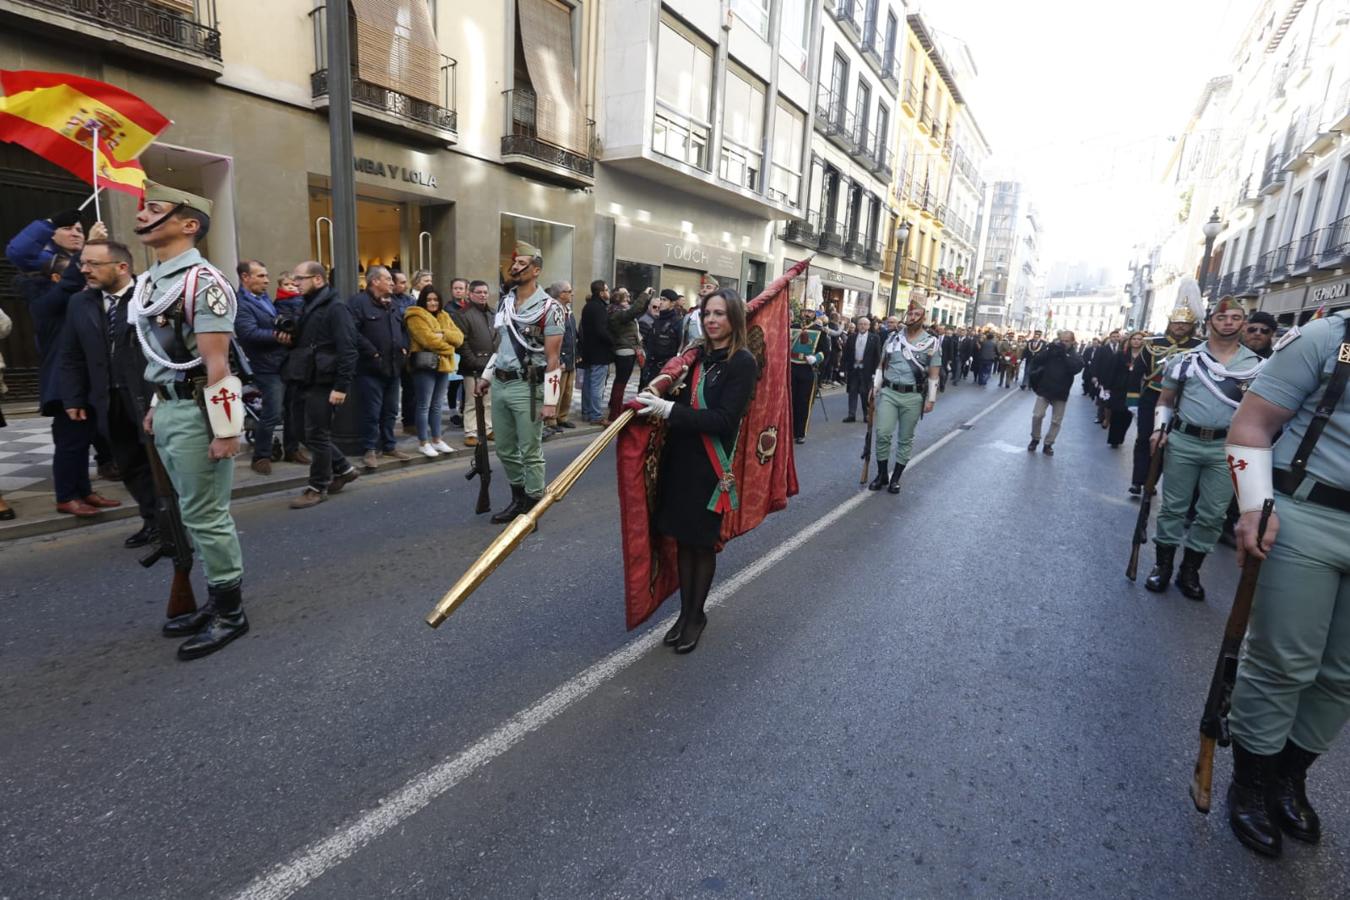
57,116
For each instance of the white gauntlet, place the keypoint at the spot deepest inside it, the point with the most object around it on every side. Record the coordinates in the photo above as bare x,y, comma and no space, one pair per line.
552,387
225,407
1162,418
932,390
876,379
1252,469
491,368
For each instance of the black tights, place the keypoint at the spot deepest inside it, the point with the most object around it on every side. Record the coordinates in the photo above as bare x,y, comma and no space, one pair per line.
696,566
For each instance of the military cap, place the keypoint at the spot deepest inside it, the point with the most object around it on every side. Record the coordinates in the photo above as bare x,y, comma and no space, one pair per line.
524,248
1183,313
163,194
1226,304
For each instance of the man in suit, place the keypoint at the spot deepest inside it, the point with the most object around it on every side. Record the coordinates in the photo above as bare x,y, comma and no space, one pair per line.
1103,364
862,353
99,371
951,355
969,346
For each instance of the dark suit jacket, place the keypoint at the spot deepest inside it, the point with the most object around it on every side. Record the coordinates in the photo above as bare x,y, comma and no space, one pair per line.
871,354
88,367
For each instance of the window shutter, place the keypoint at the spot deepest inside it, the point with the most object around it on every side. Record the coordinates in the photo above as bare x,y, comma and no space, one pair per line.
396,47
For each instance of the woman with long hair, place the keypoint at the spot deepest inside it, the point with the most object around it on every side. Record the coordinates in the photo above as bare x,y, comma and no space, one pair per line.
696,487
1124,384
433,337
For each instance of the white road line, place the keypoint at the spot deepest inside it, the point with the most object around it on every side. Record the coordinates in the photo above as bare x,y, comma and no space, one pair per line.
317,858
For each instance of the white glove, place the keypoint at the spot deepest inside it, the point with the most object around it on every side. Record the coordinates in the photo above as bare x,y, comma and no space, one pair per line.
812,359
653,405
1106,395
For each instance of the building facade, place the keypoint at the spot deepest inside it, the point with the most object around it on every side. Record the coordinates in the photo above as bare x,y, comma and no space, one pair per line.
1087,313
1010,272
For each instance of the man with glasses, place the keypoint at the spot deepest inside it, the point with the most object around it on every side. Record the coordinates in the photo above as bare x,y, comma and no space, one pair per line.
1259,334
382,342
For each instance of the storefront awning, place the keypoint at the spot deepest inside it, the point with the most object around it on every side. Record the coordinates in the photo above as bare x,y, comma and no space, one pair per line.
546,36
396,47
1284,301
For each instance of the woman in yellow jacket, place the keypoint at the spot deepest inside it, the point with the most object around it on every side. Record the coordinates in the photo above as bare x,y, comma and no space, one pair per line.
433,338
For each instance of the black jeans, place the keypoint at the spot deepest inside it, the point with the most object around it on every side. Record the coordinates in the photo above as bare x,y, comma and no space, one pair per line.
326,460
293,417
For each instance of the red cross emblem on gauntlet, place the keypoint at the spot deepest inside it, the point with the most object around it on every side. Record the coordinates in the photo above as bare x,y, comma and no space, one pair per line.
224,397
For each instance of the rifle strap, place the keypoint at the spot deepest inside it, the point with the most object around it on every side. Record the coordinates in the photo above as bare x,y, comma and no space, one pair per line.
1325,407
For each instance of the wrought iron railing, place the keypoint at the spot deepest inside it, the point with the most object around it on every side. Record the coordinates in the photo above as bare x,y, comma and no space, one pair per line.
911,96
873,255
152,21
1307,250
803,231
1336,244
1274,171
1243,283
524,138
374,97
830,239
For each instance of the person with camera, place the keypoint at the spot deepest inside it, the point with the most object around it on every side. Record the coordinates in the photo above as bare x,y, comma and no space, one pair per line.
322,365
265,337
1052,374
434,338
662,340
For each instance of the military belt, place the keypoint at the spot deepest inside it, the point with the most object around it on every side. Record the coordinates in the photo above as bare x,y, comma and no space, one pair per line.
1204,434
900,388
508,375
179,390
1287,482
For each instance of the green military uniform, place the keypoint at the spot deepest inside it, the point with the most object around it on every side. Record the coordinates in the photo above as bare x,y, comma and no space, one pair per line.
517,390
1292,692
1158,352
902,389
176,300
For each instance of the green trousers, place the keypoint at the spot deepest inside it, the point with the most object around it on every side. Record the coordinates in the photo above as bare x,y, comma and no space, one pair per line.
203,485
519,437
895,408
1189,462
1293,678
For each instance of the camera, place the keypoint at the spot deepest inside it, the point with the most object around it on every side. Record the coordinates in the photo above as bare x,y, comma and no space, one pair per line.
284,323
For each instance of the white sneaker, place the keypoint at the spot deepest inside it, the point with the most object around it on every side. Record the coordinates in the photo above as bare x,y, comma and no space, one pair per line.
428,451
441,446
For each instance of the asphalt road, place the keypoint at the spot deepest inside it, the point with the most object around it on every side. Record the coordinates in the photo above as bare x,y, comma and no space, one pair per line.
950,693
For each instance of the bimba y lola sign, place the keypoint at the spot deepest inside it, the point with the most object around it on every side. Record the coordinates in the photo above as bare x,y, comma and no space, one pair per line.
394,172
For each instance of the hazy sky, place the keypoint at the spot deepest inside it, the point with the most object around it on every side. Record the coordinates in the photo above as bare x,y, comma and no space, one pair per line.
1081,100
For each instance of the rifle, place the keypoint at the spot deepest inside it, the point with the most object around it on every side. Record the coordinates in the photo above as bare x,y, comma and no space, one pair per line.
1214,721
173,539
867,441
481,468
1145,505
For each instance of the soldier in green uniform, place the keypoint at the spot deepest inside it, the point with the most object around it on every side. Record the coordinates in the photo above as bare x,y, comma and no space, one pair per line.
1201,389
809,351
904,388
183,310
1292,694
525,375
1179,338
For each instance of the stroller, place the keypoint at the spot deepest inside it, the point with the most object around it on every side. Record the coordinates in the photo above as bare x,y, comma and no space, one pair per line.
253,403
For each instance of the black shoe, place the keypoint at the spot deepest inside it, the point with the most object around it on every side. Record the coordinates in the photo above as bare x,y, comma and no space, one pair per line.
1162,569
1289,794
849,419
1048,449
457,420
1249,802
226,623
689,635
894,486
187,625
673,635
882,476
1136,490
148,534
513,509
567,424
1188,577
1035,442
800,440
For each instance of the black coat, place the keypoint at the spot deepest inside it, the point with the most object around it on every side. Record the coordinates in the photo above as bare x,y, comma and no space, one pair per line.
1052,372
988,350
47,303
1103,361
871,354
90,367
687,476
1122,378
325,351
951,349
596,346
381,336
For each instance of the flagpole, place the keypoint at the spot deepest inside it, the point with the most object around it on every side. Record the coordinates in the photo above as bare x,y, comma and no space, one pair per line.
93,146
90,198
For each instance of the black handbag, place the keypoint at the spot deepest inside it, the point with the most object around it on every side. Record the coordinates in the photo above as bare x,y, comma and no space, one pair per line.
424,361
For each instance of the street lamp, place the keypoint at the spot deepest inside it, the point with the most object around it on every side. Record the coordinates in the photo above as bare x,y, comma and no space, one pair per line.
901,239
1211,230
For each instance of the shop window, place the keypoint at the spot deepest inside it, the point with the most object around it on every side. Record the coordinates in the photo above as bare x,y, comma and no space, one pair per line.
553,240
756,274
743,131
636,276
785,178
683,96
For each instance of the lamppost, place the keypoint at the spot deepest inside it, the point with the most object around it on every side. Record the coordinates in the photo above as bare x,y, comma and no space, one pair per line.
1211,230
901,239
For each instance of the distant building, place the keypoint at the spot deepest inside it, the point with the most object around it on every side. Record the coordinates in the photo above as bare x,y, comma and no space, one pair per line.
1010,271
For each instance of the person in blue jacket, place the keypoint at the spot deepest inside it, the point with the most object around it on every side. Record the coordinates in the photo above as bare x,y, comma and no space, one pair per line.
266,345
32,249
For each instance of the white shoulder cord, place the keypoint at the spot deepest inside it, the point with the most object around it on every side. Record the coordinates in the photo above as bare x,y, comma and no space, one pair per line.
138,309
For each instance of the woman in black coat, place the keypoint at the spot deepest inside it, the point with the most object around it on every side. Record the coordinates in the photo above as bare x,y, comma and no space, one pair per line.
1124,383
703,421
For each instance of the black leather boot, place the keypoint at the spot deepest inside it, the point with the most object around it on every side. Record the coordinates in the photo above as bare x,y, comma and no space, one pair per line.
1188,576
1249,802
894,486
1035,442
880,481
512,510
189,624
1162,568
227,622
1290,794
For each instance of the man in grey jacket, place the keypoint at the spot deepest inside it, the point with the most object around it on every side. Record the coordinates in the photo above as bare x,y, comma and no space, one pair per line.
480,342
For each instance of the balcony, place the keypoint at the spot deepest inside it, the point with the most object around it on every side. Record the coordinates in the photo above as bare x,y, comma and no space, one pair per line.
935,136
185,40
835,122
1226,284
848,13
831,240
855,250
1245,195
803,232
873,256
524,148
910,99
940,213
863,142
1307,252
880,163
1335,245
889,74
925,118
1242,284
871,48
923,275
1272,177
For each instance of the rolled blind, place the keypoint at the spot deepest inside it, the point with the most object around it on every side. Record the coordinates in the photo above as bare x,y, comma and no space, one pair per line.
546,35
396,47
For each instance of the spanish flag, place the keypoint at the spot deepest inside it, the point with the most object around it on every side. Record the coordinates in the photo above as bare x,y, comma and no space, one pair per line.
77,123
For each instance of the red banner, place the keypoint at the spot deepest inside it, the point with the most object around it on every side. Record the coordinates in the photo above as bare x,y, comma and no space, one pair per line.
766,474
